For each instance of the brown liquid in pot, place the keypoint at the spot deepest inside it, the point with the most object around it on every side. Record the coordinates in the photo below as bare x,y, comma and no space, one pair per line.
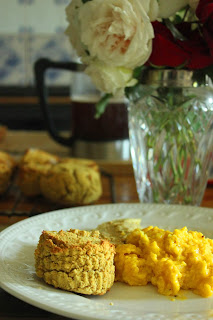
112,125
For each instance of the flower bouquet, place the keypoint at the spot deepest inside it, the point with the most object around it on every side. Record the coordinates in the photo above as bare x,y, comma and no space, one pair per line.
159,55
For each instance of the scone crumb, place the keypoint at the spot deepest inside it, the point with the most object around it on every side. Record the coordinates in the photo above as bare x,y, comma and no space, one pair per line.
111,304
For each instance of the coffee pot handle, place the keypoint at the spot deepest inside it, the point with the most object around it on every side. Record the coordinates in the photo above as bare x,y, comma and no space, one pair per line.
40,68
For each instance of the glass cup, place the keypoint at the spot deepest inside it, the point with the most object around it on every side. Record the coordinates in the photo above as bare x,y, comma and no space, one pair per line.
171,136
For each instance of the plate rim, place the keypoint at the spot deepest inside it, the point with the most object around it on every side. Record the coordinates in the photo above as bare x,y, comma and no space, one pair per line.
37,216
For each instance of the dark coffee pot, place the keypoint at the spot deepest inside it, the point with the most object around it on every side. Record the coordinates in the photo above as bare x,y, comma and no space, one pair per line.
103,138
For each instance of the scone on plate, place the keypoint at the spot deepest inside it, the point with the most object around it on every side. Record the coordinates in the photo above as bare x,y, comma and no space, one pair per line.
71,183
34,164
75,260
116,231
7,165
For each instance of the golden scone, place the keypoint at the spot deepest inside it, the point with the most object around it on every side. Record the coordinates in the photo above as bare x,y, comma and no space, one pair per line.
32,166
82,162
7,165
116,231
75,260
71,184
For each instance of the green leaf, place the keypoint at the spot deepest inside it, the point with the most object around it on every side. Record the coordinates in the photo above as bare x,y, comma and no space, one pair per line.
84,1
175,32
156,67
132,93
137,72
177,19
209,72
136,92
100,107
181,66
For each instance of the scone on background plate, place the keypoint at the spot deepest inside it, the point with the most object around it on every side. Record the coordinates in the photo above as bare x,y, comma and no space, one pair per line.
7,165
34,164
66,181
71,183
75,260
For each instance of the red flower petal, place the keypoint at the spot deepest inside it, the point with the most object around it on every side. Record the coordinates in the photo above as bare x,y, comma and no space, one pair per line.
204,10
208,36
167,53
193,52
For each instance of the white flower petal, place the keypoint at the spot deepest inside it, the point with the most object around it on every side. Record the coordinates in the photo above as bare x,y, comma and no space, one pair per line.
193,4
73,30
169,7
116,32
110,79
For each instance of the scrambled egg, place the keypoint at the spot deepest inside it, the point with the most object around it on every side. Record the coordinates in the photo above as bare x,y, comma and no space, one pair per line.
169,260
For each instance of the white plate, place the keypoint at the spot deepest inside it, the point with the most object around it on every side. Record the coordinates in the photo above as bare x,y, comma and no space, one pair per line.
17,273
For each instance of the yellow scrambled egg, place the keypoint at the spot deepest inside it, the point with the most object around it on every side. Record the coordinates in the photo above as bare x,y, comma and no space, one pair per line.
169,260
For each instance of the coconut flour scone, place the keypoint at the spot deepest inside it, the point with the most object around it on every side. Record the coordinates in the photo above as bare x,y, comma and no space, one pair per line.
70,183
7,165
82,162
34,164
75,260
116,231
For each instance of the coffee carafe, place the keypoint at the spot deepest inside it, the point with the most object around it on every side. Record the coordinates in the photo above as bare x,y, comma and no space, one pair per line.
104,138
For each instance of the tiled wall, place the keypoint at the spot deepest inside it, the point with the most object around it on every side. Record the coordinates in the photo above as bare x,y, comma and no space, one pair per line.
30,29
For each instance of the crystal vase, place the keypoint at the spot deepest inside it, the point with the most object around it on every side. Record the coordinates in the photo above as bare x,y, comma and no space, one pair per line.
170,116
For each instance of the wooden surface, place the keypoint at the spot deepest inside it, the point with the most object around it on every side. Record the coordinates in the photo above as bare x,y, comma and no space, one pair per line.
118,186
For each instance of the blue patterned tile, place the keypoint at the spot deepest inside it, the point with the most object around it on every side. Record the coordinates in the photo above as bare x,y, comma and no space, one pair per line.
12,62
62,2
45,17
27,33
56,48
25,29
37,16
26,2
59,29
12,16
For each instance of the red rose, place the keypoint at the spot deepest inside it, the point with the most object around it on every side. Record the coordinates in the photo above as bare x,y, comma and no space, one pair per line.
193,52
204,12
196,46
165,51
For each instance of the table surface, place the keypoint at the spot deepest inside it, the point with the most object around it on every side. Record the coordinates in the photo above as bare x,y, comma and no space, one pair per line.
118,186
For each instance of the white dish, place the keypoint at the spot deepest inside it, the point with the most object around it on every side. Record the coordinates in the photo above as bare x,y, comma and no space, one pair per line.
17,273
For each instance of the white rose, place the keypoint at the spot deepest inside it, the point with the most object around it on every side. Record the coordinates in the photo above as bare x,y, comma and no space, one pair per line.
169,7
116,32
193,4
152,8
110,79
73,30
